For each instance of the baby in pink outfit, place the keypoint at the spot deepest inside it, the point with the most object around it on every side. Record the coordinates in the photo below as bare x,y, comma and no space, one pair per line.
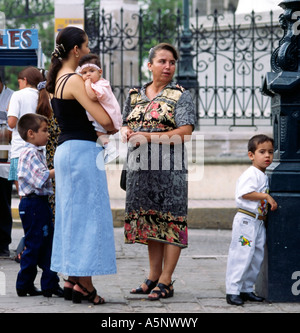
99,89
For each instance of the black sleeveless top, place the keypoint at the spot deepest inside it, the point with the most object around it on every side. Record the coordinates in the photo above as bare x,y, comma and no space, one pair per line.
71,117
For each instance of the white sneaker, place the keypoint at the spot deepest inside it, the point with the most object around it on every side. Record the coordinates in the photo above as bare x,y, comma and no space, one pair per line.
110,152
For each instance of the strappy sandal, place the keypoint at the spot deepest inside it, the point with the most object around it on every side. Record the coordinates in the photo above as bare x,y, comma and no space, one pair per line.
77,296
150,284
163,292
68,291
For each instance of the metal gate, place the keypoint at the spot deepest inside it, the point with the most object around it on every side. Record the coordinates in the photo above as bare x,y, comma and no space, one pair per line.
231,55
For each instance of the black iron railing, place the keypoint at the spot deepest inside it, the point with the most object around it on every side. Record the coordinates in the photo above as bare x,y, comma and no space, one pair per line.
231,55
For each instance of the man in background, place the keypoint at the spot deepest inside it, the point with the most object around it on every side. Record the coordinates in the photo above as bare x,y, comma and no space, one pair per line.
5,185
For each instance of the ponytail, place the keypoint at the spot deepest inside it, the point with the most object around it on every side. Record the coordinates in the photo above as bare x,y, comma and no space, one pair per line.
51,77
66,39
43,106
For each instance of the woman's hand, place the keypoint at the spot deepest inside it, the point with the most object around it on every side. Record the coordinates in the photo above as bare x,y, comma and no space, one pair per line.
138,138
125,133
177,136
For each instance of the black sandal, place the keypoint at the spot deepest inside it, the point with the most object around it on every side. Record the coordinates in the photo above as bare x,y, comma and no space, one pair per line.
77,296
150,284
68,291
163,292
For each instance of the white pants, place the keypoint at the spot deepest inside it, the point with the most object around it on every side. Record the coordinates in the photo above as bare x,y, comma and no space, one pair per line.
246,253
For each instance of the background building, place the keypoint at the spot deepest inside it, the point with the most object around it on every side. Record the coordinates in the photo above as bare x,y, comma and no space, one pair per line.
209,6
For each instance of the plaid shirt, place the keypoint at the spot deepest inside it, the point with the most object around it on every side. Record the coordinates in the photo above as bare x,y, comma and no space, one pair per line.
33,173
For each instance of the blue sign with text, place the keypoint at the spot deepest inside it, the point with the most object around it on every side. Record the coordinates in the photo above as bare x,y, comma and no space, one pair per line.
18,39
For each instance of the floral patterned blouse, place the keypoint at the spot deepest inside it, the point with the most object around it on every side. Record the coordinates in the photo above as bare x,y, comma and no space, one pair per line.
156,194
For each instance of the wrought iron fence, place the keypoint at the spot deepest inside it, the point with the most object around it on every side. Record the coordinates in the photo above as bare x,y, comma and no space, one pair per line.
232,60
231,55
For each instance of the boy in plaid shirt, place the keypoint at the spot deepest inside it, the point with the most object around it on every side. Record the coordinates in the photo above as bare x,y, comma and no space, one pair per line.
34,187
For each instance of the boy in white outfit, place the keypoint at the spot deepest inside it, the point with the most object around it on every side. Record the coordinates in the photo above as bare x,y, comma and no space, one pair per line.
246,250
99,89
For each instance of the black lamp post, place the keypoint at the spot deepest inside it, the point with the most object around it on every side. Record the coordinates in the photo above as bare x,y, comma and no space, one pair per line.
187,76
280,278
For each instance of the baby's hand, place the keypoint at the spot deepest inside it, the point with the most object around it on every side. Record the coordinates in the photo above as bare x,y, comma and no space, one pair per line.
89,90
87,82
113,132
51,173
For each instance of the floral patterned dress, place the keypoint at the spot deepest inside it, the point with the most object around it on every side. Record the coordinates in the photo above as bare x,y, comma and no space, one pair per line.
157,188
50,151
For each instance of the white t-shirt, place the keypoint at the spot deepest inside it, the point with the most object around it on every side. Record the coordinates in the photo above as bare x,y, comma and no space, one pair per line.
252,180
4,100
22,102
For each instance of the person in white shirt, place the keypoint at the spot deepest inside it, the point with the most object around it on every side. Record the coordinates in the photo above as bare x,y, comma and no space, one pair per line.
5,185
22,102
246,250
5,95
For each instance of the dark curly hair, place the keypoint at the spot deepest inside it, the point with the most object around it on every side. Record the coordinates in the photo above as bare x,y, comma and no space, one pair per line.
258,139
90,58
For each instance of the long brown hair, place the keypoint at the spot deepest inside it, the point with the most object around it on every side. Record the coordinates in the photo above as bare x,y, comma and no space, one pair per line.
35,77
43,106
66,39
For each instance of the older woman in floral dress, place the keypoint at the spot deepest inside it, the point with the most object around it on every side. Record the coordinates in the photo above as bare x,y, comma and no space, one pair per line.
157,120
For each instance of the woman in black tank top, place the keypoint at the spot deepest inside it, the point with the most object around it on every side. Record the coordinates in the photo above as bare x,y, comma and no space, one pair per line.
78,238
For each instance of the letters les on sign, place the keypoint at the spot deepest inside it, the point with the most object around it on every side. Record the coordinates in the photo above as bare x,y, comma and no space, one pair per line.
18,39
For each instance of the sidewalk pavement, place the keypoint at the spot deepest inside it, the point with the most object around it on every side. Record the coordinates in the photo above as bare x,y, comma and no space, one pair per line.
199,284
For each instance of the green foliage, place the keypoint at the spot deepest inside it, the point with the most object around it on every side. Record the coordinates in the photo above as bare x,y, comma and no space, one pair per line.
167,6
92,4
160,21
29,14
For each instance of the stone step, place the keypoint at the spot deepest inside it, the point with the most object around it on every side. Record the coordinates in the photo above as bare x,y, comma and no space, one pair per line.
202,214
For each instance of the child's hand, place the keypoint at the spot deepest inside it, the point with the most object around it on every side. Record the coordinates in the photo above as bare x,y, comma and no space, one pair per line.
113,132
261,196
89,90
87,82
272,202
51,173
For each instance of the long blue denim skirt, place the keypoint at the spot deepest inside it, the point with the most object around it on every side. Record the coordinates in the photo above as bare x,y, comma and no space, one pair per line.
83,243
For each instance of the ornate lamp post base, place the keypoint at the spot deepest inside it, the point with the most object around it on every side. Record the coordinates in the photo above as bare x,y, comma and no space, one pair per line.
280,276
